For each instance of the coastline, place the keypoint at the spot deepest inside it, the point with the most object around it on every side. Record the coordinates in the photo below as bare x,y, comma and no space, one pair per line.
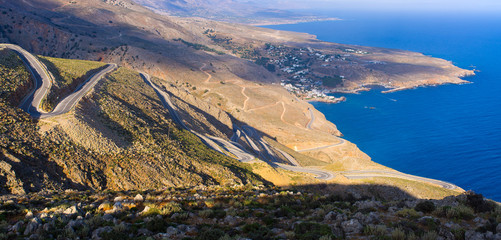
391,88
327,100
292,21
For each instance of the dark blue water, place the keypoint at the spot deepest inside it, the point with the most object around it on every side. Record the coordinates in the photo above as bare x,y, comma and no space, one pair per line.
450,132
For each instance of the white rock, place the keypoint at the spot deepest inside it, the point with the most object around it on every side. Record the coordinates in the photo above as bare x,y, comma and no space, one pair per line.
29,215
118,199
71,210
145,210
138,198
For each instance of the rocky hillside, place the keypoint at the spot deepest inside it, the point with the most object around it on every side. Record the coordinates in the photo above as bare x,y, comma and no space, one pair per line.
212,213
219,74
120,137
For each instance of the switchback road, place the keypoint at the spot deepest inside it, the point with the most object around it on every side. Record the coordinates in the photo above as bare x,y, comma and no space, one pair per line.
43,82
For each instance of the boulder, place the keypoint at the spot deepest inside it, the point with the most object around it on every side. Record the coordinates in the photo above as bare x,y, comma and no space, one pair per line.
230,220
351,226
472,235
139,198
361,205
172,231
330,216
108,217
16,227
96,233
29,215
71,210
32,226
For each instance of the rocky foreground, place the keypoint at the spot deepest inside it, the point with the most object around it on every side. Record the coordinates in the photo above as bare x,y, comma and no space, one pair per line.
244,212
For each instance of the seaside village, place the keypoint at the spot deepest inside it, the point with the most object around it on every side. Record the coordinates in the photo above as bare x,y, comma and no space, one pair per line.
295,65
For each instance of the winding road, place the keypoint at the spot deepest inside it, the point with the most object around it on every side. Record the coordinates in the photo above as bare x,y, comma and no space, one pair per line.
360,174
269,155
312,118
341,141
218,144
43,82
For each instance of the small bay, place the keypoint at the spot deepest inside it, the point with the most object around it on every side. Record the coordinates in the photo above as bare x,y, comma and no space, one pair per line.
449,132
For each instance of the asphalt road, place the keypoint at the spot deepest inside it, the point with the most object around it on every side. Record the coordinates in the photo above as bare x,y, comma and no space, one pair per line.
295,167
341,141
382,173
312,118
322,175
70,101
43,82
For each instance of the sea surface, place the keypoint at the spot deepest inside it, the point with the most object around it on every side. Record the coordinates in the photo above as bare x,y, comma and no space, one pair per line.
448,132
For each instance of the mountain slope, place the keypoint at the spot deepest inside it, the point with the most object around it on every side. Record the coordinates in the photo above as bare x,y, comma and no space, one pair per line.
121,138
211,68
247,12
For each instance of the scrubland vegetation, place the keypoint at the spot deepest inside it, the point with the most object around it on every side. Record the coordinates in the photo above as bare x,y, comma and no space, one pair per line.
153,153
244,212
68,75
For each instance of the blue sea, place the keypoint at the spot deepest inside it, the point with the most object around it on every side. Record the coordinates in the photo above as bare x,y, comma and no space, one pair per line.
449,132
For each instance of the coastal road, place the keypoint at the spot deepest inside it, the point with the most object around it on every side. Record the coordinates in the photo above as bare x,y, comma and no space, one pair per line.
341,141
361,174
43,82
321,175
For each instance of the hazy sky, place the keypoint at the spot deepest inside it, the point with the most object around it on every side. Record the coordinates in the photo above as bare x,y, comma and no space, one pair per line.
420,5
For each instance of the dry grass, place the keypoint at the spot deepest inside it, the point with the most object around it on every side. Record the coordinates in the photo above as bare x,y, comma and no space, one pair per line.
16,80
414,188
68,74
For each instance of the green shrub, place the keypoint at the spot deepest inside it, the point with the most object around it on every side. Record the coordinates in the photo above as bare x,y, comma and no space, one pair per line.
478,203
398,234
376,230
458,233
460,212
408,213
311,230
426,207
430,236
156,225
211,234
